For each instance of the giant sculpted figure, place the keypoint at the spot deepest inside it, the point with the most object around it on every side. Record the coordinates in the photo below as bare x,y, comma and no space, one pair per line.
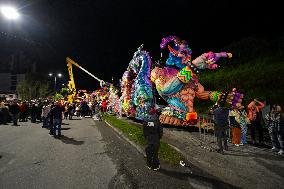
177,82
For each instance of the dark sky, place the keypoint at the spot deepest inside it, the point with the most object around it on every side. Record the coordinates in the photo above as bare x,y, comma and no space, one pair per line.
102,35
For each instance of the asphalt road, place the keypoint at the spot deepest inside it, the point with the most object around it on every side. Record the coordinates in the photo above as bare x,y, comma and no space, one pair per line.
89,155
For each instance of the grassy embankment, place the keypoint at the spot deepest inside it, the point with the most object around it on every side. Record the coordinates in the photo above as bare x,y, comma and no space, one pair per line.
135,133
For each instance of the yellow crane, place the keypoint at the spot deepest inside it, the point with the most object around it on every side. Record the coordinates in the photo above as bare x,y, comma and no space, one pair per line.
71,84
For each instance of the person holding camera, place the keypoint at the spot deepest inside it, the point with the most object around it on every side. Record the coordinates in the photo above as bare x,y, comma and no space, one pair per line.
255,116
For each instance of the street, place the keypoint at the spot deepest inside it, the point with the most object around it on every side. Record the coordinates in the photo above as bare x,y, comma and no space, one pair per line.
89,155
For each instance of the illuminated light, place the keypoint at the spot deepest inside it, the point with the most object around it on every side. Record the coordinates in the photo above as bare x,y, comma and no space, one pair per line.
191,116
10,13
59,75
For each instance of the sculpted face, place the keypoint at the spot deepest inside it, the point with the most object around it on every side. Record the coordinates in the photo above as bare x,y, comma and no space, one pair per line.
184,53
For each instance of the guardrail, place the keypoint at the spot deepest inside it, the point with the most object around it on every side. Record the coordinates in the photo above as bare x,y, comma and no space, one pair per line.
207,136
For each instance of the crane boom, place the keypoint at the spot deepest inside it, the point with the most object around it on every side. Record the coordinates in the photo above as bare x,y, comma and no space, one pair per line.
70,61
71,84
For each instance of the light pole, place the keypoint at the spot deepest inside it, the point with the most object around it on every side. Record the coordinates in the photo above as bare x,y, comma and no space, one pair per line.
55,80
9,12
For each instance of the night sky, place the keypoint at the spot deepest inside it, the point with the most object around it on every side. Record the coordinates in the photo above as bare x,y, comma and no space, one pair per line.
102,35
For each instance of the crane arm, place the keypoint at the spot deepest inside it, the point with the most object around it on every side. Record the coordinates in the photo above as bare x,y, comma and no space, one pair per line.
70,61
71,83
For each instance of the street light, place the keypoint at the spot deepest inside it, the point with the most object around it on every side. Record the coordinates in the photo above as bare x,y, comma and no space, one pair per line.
10,13
55,79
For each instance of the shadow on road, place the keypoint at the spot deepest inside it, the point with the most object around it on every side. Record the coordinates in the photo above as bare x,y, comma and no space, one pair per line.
198,178
68,140
67,128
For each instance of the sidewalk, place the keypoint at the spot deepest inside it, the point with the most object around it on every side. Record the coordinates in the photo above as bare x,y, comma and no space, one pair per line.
244,166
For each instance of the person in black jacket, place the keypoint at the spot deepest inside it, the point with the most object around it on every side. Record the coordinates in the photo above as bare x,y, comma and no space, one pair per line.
15,110
221,124
56,114
153,132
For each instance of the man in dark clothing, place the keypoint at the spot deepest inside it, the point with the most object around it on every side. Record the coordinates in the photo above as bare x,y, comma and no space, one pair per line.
153,132
71,109
221,124
5,114
56,114
33,112
15,110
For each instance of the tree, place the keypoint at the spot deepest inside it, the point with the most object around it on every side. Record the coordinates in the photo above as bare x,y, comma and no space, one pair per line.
23,90
33,87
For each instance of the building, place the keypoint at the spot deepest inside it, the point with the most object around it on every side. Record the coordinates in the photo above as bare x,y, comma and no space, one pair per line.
14,65
9,81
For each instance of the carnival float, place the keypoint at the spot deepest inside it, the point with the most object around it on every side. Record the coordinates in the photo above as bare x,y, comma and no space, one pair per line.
176,81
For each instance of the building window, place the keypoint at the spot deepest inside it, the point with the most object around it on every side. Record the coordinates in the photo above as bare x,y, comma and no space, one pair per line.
13,77
13,88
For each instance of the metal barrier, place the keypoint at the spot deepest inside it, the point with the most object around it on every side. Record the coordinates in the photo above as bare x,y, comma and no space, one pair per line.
207,135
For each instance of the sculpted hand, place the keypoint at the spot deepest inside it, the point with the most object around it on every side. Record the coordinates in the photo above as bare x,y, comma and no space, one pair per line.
229,55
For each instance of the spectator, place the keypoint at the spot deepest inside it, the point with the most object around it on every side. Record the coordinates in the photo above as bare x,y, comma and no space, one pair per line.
104,105
221,124
33,112
56,113
5,113
71,109
153,132
255,116
244,121
281,132
1,113
275,128
22,112
15,110
26,111
78,111
44,115
235,126
65,108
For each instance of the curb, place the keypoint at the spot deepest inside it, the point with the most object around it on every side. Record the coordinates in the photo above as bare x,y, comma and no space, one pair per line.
138,148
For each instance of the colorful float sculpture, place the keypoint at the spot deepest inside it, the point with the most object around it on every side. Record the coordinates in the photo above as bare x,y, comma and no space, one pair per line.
142,94
126,85
177,82
113,99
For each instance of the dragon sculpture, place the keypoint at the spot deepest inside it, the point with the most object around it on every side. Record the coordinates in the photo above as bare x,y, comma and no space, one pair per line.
142,94
137,86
